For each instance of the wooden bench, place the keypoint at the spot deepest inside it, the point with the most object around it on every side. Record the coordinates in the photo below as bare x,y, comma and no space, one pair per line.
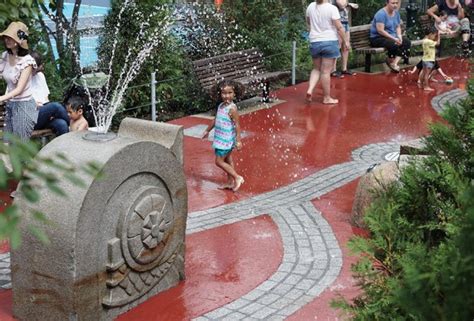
360,43
43,135
245,67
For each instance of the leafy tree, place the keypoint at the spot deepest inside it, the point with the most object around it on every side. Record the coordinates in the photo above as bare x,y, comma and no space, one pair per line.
65,34
12,10
418,263
259,21
204,32
177,92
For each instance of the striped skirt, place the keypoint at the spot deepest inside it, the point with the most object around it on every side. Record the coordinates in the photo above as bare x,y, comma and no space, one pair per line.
20,118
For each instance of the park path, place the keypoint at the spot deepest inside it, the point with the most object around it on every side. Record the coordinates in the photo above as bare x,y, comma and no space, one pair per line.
309,151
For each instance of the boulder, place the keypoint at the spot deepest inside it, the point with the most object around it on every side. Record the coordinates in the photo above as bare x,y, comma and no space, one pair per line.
373,182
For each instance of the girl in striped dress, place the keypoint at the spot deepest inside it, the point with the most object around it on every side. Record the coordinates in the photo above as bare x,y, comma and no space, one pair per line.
227,132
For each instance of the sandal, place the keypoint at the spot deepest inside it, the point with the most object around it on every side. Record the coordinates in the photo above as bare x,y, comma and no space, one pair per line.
448,80
393,68
348,72
308,98
337,74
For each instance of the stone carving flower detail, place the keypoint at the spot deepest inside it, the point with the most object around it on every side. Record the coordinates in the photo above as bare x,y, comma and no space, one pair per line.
153,229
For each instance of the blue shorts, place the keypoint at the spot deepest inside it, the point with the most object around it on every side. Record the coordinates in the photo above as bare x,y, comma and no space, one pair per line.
345,25
428,64
325,49
222,152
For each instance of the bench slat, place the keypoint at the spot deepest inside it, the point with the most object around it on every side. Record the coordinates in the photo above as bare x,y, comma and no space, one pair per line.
245,66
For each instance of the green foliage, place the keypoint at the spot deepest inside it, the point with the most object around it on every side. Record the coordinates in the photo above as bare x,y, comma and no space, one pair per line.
418,262
19,163
366,11
267,27
203,32
14,10
176,90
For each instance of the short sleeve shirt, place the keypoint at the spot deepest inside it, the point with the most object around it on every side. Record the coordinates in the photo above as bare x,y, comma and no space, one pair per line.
321,17
391,23
12,74
39,88
429,50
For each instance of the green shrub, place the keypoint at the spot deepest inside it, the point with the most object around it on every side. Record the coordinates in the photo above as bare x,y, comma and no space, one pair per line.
418,263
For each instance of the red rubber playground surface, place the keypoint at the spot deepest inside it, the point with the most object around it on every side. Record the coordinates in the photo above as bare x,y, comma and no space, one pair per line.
283,144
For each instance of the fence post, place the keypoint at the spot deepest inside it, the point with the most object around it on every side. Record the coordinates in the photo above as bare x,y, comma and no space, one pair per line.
153,96
293,63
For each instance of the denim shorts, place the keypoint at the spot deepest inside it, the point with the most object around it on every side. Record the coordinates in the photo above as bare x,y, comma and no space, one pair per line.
428,64
345,25
325,49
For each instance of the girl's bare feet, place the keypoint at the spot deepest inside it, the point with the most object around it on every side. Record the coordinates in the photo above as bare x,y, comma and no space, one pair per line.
308,97
330,101
228,185
239,181
428,89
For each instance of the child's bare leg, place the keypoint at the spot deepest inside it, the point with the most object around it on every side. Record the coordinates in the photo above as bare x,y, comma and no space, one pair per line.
220,162
426,79
419,82
446,77
230,180
432,74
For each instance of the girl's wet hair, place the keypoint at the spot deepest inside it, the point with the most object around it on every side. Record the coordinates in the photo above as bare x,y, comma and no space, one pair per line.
217,89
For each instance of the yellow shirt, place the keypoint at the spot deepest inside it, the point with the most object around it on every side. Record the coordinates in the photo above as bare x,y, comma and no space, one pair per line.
429,50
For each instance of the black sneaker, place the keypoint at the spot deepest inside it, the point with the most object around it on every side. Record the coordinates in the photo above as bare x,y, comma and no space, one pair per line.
337,74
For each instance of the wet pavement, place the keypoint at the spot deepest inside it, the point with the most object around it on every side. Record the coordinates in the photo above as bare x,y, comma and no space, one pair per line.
276,249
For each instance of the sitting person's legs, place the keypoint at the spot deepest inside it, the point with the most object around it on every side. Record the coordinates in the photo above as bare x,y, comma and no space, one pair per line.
59,126
390,45
465,30
48,113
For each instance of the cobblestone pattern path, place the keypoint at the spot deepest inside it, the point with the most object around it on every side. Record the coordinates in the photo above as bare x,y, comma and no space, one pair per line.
312,258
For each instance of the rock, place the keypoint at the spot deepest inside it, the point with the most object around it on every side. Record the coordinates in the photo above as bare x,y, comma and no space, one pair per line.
413,147
406,160
372,183
114,243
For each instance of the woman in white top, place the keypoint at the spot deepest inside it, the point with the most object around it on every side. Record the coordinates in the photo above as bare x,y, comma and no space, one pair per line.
16,66
324,25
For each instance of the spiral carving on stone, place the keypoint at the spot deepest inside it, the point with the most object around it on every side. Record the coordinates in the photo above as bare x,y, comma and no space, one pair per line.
147,230
141,256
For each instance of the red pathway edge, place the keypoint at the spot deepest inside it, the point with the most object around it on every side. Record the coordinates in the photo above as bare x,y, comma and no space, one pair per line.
217,272
284,144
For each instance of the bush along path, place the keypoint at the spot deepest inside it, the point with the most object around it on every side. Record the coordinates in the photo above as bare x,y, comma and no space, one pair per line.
418,263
